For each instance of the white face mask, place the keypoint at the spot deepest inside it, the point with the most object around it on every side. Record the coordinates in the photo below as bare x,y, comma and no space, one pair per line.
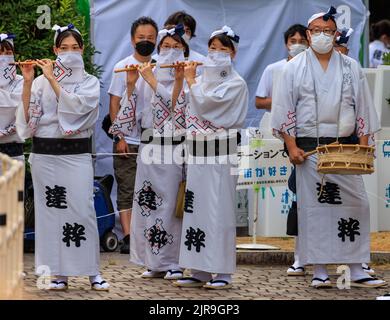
322,43
168,56
7,72
218,58
296,49
69,67
186,38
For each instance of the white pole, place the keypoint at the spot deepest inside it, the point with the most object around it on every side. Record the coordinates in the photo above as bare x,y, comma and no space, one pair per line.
256,189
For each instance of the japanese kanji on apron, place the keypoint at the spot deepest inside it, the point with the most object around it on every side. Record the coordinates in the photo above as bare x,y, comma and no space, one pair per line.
335,227
209,223
155,229
333,212
66,234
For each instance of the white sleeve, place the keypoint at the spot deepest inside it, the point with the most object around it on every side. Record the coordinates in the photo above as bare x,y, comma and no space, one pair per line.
125,122
9,101
79,111
225,106
118,83
367,122
264,89
25,129
283,111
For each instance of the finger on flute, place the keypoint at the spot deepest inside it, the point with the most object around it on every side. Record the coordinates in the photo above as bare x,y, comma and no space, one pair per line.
179,63
26,63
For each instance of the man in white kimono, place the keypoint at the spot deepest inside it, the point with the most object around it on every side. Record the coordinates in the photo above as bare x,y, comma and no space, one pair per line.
325,97
11,86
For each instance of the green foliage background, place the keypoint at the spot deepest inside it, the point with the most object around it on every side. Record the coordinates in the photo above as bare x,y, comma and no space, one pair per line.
20,17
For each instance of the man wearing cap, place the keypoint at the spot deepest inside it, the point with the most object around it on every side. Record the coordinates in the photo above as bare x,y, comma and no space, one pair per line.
325,98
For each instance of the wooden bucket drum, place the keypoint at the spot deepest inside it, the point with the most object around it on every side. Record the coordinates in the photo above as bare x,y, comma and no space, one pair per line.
345,159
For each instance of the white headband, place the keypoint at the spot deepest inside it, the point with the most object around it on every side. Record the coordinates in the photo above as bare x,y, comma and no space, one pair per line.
7,37
59,30
326,15
342,40
179,30
229,32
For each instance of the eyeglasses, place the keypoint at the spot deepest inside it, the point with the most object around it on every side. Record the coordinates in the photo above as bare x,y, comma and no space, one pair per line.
327,31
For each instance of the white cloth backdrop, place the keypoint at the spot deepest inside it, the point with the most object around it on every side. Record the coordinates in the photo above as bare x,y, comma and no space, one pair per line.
259,23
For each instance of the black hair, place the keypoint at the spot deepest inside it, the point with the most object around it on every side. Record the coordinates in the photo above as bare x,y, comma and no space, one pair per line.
380,28
224,39
142,22
290,32
177,38
183,18
5,45
69,33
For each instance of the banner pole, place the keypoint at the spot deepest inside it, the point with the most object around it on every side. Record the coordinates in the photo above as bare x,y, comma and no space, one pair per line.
256,189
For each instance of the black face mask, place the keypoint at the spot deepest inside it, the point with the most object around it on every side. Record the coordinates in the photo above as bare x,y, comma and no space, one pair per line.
145,48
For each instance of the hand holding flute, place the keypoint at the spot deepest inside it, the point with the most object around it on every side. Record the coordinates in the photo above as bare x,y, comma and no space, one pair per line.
134,67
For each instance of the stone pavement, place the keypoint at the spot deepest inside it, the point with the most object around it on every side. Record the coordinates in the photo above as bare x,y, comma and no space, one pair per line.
251,282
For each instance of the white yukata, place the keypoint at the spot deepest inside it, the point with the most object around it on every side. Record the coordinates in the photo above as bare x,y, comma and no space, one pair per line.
11,86
333,226
217,102
155,230
66,234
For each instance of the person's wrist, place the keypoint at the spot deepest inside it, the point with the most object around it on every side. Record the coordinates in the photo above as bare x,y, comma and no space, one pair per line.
50,78
117,138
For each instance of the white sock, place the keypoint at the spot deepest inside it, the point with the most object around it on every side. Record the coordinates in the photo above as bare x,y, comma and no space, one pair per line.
96,278
296,255
357,272
222,276
320,271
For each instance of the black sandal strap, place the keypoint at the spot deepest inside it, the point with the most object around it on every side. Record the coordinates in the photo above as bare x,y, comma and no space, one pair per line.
365,280
175,271
219,281
100,283
322,280
191,279
292,267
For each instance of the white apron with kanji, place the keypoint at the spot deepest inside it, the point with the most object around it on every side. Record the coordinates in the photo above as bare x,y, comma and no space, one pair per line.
218,101
66,234
334,225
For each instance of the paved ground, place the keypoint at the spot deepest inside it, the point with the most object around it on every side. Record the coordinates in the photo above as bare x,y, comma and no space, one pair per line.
250,282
